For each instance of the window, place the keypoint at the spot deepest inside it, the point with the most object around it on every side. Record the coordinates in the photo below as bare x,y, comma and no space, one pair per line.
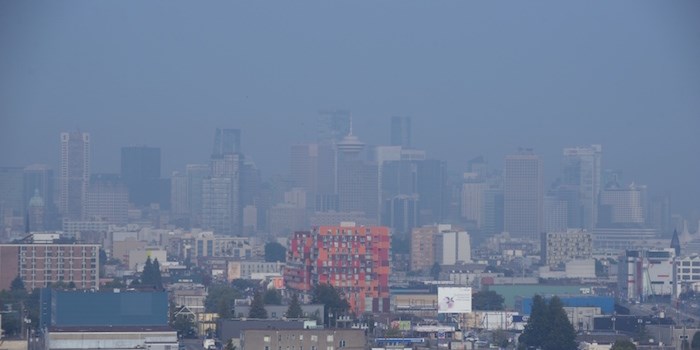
329,338
314,337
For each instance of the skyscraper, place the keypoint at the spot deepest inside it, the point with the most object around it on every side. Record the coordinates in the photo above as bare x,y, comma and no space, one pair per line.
107,199
196,174
221,195
140,171
401,131
74,173
226,141
582,169
356,179
523,195
333,125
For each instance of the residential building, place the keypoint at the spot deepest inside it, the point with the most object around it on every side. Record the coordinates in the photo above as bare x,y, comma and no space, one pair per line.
423,247
555,214
279,311
40,264
472,199
196,174
559,247
74,174
179,201
523,195
210,245
354,259
226,141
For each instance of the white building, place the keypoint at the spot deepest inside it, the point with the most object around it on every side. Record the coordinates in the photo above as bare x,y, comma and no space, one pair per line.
472,203
645,273
452,246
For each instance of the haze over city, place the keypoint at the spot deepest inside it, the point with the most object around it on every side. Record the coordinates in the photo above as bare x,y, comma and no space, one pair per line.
382,175
476,78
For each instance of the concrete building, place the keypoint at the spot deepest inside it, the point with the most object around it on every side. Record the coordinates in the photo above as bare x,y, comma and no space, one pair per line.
353,259
286,218
179,200
312,339
278,312
563,246
555,214
74,175
622,206
231,330
40,177
472,199
647,273
209,245
423,247
452,246
523,195
106,337
246,269
40,264
107,199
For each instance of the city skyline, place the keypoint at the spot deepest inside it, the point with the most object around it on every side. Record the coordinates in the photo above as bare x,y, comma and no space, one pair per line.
545,77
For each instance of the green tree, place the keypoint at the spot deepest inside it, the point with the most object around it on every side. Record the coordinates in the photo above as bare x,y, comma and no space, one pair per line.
257,307
157,277
115,283
331,299
183,324
272,297
220,299
151,274
487,301
435,271
294,310
275,252
562,335
695,343
623,345
17,284
538,326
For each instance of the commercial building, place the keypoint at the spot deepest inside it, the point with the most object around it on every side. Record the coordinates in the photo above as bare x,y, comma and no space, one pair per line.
140,171
452,246
622,206
74,174
561,247
354,259
647,273
523,195
582,170
401,131
270,339
209,245
107,199
40,264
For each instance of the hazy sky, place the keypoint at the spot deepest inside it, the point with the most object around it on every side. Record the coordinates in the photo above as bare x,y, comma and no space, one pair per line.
477,77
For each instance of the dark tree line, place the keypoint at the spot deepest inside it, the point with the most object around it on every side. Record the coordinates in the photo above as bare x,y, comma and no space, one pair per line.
549,327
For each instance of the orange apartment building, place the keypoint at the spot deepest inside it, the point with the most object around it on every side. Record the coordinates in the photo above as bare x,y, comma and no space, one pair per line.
353,259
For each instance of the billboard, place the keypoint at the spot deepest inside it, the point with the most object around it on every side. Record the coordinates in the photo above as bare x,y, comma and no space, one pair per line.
454,300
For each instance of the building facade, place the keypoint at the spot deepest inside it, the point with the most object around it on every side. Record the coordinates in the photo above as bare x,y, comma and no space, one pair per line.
74,174
40,264
523,195
582,169
310,339
563,246
353,259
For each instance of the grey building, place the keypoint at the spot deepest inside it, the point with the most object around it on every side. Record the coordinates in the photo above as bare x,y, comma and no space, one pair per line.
311,311
523,195
140,171
305,339
74,173
401,131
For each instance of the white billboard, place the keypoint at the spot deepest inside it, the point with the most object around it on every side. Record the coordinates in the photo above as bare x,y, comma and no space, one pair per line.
454,300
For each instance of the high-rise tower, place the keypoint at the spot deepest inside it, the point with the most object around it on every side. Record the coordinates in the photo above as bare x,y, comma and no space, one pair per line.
523,195
140,171
582,171
401,131
74,173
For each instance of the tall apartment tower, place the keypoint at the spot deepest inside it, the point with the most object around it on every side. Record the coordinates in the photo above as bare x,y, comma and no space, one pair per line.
523,195
74,173
582,171
401,131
